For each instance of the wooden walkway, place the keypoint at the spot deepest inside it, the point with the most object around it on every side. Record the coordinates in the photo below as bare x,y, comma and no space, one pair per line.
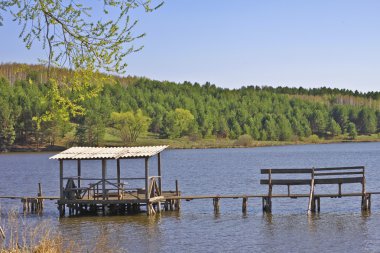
30,197
171,201
245,198
293,196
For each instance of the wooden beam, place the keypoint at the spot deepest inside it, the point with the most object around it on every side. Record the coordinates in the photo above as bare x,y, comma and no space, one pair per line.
286,171
340,168
146,177
61,179
159,172
104,174
347,180
286,181
79,172
339,173
118,171
178,201
120,194
311,205
244,205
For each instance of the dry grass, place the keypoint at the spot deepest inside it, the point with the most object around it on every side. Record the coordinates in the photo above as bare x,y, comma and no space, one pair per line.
22,237
43,237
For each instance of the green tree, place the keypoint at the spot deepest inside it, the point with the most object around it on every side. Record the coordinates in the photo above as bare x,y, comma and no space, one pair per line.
130,125
367,121
270,128
284,128
333,128
235,130
7,132
255,126
318,122
177,123
8,114
222,130
351,130
340,115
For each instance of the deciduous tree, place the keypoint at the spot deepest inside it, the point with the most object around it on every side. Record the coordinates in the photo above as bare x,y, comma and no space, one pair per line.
130,125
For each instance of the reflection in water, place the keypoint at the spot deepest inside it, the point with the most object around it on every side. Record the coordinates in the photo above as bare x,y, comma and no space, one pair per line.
339,227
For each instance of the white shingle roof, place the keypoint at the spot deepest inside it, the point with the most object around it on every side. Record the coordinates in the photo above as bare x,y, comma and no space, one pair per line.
78,153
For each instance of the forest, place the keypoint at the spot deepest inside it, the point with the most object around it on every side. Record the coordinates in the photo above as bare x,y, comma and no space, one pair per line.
130,107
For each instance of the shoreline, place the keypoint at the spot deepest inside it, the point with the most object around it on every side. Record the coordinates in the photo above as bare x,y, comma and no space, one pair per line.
190,145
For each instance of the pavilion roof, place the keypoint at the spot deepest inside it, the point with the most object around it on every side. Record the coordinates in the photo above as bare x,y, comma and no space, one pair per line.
83,153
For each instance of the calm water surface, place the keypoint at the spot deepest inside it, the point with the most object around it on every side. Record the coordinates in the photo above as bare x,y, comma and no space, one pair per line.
340,227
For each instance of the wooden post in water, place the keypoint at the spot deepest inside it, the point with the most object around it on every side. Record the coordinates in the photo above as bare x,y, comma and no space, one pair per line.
40,203
178,201
340,189
318,204
311,205
267,201
244,205
365,201
216,205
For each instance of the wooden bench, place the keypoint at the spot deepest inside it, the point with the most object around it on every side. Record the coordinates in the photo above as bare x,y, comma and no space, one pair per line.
313,177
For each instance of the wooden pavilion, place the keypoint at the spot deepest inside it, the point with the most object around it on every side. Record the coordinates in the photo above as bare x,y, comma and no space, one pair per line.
89,195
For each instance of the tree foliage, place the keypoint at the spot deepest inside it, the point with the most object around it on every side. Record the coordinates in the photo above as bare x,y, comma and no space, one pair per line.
76,34
178,123
351,130
130,125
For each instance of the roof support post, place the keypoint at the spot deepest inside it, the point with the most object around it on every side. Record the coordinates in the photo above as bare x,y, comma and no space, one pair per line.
61,179
146,178
118,171
159,173
104,174
79,172
118,179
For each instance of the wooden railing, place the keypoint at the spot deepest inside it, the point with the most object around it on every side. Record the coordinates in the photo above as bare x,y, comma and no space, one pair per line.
154,189
114,188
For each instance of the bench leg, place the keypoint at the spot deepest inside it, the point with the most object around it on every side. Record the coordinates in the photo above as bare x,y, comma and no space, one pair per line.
267,204
366,202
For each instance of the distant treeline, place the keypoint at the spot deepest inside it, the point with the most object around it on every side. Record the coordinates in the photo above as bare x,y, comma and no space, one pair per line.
174,110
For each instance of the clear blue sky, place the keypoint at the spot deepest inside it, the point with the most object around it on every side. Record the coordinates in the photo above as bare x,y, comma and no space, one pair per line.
333,43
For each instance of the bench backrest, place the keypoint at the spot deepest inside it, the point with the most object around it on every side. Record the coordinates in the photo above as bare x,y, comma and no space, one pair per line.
288,181
331,175
339,175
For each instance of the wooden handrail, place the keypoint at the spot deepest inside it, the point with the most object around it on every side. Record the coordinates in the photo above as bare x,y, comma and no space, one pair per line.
339,173
123,178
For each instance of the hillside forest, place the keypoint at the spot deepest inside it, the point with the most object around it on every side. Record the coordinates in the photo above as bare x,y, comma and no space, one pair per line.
122,110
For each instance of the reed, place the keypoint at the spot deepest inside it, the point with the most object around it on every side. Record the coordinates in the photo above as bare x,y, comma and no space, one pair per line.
41,236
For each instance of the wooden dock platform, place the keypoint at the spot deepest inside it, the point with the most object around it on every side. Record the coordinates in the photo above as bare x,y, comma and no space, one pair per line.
170,201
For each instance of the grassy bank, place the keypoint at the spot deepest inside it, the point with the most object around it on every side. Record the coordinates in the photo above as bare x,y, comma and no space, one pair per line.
190,142
200,143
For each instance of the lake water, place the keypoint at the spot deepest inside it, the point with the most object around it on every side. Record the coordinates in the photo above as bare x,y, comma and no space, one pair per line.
339,227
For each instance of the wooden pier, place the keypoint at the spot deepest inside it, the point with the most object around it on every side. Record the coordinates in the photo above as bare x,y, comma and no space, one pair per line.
107,195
